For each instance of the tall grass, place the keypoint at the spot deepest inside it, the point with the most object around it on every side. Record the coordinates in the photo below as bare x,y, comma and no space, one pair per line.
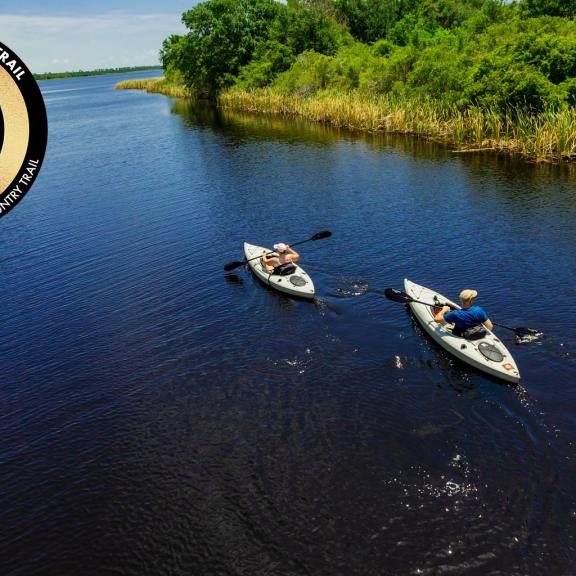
546,137
158,85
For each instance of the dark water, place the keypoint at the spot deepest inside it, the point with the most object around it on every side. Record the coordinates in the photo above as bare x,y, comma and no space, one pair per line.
159,418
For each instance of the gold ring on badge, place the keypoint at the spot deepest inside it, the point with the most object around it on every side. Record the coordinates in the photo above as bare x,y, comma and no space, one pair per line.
16,129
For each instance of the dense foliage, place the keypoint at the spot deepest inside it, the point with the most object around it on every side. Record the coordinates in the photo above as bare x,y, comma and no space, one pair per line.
487,53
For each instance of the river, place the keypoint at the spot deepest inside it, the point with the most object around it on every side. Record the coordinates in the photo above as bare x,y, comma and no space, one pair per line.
160,417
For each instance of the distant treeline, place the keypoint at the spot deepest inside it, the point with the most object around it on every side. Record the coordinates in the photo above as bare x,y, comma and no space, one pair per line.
98,72
487,53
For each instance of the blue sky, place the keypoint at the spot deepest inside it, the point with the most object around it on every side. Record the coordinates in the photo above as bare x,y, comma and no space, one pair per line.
61,35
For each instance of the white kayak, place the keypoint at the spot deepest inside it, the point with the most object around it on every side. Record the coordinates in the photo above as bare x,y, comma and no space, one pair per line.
487,354
296,284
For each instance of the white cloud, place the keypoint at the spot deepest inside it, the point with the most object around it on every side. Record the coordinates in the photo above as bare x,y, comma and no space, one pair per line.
54,43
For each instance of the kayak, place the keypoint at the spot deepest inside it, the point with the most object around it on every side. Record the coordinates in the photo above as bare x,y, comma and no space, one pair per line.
296,284
487,354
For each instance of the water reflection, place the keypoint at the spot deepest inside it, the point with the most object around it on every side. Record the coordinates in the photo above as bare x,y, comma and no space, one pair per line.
243,127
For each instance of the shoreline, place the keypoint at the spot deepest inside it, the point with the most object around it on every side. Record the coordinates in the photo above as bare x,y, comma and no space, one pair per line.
548,137
158,85
43,76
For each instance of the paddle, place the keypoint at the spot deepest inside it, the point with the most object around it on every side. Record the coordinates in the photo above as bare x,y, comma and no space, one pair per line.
521,331
317,236
398,296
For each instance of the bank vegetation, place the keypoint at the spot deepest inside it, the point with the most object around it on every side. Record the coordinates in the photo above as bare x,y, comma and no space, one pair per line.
477,74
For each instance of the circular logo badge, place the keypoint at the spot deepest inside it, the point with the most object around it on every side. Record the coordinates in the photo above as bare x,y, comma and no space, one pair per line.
23,129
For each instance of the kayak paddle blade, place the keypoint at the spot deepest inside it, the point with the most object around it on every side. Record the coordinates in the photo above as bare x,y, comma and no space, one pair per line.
527,337
397,295
321,235
522,332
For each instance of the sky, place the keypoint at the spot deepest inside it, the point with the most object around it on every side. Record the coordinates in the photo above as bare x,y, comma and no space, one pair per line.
67,35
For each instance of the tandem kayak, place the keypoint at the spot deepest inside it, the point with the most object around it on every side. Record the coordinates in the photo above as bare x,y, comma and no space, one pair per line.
296,284
487,354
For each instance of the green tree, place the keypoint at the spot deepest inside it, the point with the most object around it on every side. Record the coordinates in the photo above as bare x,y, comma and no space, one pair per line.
370,20
440,70
308,28
310,72
389,73
447,13
171,56
222,37
549,7
270,58
491,53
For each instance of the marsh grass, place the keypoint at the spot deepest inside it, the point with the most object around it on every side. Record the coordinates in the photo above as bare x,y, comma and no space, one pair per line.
546,137
157,85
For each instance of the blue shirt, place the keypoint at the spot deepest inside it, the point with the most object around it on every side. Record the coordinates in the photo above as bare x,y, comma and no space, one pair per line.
466,317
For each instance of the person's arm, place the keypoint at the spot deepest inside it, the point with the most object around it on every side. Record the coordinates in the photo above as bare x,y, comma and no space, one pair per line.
295,255
440,316
267,264
486,322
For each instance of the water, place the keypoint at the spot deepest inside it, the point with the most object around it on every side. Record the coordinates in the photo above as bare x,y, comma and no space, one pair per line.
161,418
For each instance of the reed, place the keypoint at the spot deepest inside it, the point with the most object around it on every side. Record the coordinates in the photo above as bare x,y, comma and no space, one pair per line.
546,137
157,85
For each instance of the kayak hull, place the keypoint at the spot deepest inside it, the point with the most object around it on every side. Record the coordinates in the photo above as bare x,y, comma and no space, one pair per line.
297,284
487,354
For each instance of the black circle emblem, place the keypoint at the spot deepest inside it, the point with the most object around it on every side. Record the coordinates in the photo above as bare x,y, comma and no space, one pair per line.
490,352
297,280
23,129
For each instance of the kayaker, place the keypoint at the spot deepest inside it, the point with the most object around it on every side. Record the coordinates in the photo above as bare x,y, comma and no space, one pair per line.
469,316
283,254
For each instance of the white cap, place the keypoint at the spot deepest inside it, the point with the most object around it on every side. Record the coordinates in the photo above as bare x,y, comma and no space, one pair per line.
281,247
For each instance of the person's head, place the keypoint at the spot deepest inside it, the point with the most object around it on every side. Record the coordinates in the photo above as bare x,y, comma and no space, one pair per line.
467,297
281,247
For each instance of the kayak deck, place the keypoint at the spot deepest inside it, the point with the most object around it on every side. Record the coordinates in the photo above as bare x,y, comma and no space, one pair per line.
487,354
296,284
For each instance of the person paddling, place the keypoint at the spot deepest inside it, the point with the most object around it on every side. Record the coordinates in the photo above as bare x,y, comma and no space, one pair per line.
282,257
469,316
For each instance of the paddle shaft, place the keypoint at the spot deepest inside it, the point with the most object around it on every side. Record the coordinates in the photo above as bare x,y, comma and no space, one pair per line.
435,305
518,331
317,236
273,252
289,245
515,330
